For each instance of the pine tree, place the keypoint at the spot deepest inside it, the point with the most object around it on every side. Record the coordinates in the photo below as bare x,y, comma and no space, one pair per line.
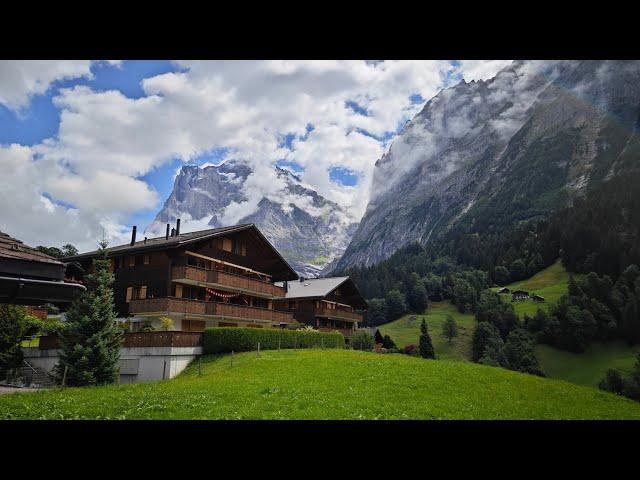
91,342
426,347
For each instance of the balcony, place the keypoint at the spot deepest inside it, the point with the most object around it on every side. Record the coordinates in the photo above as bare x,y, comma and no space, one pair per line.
172,305
227,281
338,314
140,339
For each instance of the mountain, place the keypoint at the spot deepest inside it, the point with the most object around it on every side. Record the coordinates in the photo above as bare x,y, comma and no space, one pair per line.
307,229
488,154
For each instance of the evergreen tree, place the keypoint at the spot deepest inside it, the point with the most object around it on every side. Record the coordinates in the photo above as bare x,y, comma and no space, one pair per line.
376,314
450,328
92,340
501,275
426,347
417,295
14,326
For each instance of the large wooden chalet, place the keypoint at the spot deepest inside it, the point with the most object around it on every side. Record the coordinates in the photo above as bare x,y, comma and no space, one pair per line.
325,303
211,278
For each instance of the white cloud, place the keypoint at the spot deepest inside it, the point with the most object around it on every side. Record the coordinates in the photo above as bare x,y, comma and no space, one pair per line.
481,69
106,140
21,79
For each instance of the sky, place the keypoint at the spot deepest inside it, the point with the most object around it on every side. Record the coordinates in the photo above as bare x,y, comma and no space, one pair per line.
90,148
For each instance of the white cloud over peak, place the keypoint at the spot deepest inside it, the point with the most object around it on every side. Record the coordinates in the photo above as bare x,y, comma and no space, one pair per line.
106,141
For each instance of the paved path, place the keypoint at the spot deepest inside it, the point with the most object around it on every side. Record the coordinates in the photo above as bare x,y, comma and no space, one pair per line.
5,390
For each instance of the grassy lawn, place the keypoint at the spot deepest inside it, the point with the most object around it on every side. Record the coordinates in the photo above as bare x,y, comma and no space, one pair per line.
328,384
405,330
551,283
587,368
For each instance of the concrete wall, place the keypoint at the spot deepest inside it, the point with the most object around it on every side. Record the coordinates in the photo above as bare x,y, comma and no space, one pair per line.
137,365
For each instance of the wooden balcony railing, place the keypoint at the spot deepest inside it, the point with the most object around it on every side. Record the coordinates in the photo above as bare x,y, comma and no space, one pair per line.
227,280
336,313
197,307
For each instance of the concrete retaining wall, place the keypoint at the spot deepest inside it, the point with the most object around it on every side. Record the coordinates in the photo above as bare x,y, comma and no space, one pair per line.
137,365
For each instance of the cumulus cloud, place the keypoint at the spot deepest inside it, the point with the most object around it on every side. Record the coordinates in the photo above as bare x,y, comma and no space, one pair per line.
106,141
21,79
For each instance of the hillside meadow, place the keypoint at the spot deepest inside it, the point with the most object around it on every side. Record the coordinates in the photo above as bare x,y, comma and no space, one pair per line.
328,384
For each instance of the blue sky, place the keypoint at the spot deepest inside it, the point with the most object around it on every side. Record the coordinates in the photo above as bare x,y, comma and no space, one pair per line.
100,150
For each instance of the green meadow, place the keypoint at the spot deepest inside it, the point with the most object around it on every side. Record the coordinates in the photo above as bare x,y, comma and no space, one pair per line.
406,330
328,384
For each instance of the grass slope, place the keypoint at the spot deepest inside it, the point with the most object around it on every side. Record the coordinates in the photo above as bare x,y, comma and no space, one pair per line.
405,330
587,368
551,283
328,384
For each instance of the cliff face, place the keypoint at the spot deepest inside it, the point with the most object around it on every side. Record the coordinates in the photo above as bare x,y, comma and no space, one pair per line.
310,232
489,153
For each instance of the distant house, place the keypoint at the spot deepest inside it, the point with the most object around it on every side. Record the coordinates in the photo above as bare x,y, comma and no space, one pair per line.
519,295
538,298
504,290
29,277
325,303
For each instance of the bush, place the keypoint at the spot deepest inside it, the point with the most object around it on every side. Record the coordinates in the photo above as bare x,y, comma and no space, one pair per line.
411,349
226,339
362,341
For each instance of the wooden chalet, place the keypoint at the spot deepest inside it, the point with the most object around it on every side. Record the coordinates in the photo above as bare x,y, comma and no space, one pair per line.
29,277
538,298
218,277
327,304
504,290
519,295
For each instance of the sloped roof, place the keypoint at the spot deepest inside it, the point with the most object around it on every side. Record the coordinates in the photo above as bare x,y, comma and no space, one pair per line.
312,287
15,249
321,287
163,242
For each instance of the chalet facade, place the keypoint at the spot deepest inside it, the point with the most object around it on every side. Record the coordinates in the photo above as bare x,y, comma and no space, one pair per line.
518,295
211,278
29,277
327,304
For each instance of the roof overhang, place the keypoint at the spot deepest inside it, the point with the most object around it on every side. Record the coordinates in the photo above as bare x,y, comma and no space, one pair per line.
29,291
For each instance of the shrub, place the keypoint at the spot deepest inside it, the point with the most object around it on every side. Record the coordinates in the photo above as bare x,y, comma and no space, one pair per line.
411,349
362,340
238,339
166,324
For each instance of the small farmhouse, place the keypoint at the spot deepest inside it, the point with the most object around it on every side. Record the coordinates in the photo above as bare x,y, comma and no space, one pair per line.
504,290
538,298
519,295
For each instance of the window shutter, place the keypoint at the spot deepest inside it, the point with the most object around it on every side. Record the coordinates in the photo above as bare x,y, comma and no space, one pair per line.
129,294
244,250
143,291
226,244
132,261
146,259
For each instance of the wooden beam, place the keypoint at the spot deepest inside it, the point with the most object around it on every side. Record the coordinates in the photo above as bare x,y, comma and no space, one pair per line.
193,254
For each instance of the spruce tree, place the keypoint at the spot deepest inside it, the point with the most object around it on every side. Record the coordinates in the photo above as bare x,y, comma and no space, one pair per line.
91,342
426,347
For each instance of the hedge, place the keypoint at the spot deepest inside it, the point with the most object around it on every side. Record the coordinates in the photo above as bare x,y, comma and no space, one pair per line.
238,339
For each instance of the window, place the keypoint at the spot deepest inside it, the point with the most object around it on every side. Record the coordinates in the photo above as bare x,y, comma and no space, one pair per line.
227,245
147,259
131,261
139,260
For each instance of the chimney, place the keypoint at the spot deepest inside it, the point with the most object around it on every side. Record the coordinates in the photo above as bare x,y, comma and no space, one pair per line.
285,285
133,235
145,240
302,279
177,227
168,226
173,232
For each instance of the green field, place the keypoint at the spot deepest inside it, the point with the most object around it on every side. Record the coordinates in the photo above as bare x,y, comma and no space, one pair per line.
405,330
328,384
551,283
587,368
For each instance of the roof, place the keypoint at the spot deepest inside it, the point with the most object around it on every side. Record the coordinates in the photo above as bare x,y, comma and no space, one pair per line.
321,287
163,242
15,249
312,287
